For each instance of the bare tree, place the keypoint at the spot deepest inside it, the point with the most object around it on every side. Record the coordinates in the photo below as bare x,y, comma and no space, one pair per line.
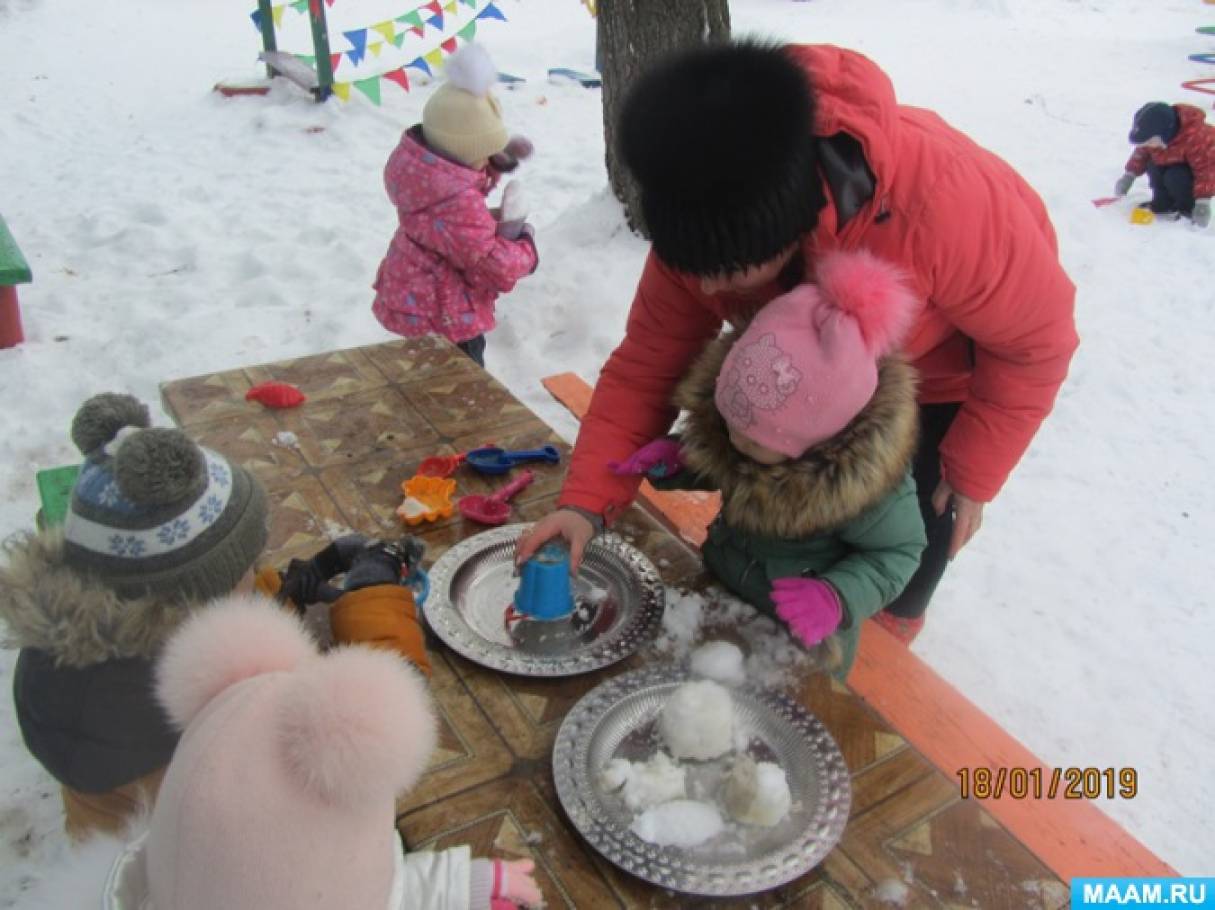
632,34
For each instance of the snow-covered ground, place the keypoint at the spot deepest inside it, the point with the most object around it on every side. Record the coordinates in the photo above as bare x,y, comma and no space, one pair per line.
173,232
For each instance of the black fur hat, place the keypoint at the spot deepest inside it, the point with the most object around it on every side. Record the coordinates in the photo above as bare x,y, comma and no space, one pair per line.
721,140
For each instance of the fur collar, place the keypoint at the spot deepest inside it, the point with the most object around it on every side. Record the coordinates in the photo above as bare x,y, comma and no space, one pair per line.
832,483
79,622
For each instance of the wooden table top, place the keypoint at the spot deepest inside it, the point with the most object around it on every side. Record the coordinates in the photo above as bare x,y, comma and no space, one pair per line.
372,415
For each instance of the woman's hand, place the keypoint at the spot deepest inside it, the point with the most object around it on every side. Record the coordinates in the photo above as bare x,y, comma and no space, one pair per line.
576,529
967,515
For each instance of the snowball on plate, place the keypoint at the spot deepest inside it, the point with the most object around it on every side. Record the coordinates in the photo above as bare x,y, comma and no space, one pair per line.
615,774
720,661
679,823
697,721
757,793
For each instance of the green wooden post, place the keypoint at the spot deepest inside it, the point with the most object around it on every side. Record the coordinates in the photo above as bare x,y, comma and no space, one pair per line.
320,43
269,42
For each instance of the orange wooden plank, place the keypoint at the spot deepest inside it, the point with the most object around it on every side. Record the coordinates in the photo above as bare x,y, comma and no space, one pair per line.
1071,837
686,514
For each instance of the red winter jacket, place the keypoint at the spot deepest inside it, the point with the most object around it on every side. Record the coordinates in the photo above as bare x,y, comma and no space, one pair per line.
995,330
1194,145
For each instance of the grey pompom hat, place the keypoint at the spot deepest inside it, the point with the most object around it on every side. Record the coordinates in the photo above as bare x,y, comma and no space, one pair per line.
154,513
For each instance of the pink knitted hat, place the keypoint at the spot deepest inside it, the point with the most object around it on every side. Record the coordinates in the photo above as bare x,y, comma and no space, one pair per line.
807,363
281,792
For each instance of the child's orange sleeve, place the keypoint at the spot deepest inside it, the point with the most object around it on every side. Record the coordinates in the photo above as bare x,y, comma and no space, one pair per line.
382,616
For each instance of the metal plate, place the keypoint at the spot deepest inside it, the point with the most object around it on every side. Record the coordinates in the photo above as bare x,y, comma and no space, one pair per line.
619,599
618,719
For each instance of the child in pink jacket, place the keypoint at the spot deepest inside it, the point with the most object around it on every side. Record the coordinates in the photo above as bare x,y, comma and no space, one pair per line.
451,257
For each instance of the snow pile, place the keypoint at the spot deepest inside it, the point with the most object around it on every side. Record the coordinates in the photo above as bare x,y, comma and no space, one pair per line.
682,823
697,721
773,659
720,661
645,784
757,793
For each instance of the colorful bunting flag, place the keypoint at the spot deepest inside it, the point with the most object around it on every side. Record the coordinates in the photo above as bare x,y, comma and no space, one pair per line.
334,60
491,12
306,58
469,2
449,45
436,21
420,64
276,12
329,3
370,87
418,30
450,8
342,90
387,29
375,48
256,16
469,32
434,58
411,18
300,6
433,6
398,76
358,38
398,39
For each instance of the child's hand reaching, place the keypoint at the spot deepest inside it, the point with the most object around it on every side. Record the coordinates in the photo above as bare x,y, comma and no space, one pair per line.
1123,186
810,607
660,458
515,885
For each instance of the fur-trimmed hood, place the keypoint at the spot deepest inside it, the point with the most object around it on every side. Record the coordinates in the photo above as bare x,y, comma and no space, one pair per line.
44,604
832,483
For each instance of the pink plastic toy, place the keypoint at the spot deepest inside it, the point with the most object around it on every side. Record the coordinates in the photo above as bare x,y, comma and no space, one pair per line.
494,509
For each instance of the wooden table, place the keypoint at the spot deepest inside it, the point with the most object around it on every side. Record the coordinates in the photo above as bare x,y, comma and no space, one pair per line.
372,415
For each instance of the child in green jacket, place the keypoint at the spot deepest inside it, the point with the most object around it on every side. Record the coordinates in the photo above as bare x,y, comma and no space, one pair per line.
807,427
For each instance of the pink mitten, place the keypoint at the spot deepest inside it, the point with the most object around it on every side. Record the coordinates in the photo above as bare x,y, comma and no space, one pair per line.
810,607
515,884
660,458
519,147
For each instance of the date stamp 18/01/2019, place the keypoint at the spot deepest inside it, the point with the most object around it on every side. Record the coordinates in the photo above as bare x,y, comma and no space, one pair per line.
1048,783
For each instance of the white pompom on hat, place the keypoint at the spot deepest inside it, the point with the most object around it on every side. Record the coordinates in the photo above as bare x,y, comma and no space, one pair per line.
463,119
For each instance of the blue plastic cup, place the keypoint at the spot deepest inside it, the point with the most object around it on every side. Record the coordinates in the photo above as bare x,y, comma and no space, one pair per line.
544,588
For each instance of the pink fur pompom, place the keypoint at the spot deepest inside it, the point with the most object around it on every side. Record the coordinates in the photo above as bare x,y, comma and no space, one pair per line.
233,639
876,292
357,726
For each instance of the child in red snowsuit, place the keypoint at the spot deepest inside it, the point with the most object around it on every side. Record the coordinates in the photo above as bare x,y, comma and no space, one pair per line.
1175,147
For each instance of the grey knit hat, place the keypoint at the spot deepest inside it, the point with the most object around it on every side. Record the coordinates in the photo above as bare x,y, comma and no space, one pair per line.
154,513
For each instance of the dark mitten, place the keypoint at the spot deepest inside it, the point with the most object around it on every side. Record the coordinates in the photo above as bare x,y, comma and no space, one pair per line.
384,563
304,578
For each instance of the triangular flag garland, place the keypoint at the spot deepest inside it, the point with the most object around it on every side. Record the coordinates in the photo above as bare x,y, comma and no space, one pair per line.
427,62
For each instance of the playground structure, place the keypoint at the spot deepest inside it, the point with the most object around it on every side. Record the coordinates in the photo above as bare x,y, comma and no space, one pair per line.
1202,85
317,79
14,270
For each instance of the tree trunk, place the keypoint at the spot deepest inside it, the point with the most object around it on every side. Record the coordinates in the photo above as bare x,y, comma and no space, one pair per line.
631,35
